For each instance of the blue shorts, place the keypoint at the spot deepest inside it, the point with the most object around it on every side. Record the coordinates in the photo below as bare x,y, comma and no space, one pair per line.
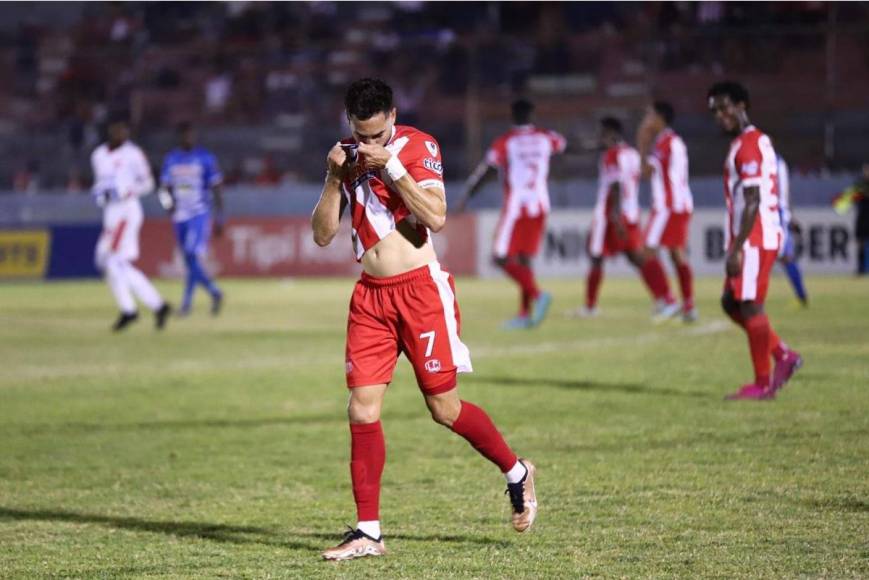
193,234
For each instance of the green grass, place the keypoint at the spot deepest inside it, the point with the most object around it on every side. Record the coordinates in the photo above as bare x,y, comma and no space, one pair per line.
219,448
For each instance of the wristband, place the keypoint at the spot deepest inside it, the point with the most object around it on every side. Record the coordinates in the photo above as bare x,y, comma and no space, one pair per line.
395,169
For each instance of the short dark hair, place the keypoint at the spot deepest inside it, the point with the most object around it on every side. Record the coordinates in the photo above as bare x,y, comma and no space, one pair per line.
117,116
367,97
665,110
732,89
521,110
183,127
612,124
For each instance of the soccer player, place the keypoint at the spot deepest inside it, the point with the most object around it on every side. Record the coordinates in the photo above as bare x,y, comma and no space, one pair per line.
390,178
121,176
665,161
753,239
521,155
615,227
787,255
189,181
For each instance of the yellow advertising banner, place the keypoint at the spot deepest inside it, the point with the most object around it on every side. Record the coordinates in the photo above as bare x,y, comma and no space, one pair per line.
24,253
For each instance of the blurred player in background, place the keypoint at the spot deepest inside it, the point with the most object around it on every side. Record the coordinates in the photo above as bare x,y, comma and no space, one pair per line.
121,176
189,182
787,255
390,177
522,156
857,195
665,160
615,227
753,238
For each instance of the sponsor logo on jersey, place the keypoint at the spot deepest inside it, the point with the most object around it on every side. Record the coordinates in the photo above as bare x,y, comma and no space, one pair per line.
751,168
432,148
433,165
433,365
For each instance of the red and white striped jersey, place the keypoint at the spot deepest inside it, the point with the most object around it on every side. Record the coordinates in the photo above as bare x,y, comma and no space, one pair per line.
620,164
522,155
670,189
752,162
375,207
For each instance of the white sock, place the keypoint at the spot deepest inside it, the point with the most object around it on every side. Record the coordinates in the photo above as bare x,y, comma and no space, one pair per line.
372,528
516,473
120,287
142,287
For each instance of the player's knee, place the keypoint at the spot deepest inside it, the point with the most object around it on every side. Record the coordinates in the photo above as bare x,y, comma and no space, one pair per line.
749,309
499,261
190,257
728,304
677,257
360,412
444,411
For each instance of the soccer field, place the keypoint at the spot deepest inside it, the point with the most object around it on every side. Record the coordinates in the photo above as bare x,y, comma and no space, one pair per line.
220,447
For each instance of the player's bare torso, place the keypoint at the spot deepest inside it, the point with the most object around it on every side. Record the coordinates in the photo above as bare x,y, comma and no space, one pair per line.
399,252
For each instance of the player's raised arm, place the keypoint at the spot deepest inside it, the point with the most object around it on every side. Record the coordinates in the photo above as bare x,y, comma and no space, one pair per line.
475,181
327,213
428,204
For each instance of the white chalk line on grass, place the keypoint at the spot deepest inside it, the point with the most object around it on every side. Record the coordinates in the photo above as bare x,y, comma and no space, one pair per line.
492,351
255,362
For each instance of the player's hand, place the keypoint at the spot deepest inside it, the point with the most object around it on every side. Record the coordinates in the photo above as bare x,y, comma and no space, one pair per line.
795,227
336,161
733,264
646,170
376,156
166,199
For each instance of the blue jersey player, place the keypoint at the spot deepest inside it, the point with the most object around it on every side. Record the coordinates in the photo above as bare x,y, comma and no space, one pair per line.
787,252
190,182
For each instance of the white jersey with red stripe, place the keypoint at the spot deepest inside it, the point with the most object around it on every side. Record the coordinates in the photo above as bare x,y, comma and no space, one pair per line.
620,164
752,162
522,156
670,189
376,208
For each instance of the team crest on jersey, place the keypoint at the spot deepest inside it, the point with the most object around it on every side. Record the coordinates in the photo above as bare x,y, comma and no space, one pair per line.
432,148
433,365
433,165
750,168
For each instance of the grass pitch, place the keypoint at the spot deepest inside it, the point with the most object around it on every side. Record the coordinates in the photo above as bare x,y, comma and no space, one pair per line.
219,448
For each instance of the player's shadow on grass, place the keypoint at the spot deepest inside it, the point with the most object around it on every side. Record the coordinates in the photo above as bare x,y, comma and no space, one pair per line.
582,385
223,533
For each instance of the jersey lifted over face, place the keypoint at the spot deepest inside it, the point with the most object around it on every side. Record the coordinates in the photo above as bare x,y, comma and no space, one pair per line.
190,175
376,207
522,157
752,162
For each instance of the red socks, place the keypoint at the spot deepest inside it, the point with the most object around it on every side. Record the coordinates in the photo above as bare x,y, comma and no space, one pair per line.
592,286
367,457
524,276
686,285
475,425
655,278
759,332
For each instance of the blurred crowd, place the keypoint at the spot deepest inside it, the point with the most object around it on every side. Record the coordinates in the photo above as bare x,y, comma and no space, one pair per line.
264,80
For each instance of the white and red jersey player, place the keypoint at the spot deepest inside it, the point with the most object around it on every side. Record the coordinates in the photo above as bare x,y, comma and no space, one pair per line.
752,162
121,176
522,157
672,202
618,164
430,310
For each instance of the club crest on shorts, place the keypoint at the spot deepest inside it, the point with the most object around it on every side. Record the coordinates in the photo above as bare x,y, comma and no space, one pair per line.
348,367
433,365
432,148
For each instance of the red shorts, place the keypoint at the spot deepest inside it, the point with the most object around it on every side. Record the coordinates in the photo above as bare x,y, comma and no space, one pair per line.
667,230
415,313
605,241
753,281
519,234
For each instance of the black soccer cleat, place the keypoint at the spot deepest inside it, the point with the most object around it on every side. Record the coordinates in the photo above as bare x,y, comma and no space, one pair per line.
216,304
125,320
161,315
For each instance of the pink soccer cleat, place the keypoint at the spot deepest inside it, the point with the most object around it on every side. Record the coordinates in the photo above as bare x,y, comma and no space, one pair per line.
751,392
785,369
